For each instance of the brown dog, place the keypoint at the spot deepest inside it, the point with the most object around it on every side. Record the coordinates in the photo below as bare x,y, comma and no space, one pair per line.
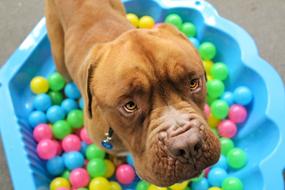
147,85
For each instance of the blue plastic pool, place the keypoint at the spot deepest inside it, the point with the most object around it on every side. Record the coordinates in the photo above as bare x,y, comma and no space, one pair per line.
262,136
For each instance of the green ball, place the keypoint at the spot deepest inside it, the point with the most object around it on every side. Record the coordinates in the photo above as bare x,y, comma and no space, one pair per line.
215,88
75,118
60,129
207,51
82,188
219,71
96,167
236,158
56,97
94,151
226,145
174,19
66,174
199,178
210,99
219,109
232,183
188,29
56,81
142,185
214,130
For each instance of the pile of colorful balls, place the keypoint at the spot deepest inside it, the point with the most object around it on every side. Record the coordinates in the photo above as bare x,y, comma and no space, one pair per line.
75,163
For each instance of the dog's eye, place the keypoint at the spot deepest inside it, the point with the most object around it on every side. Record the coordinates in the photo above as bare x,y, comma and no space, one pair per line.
130,107
194,84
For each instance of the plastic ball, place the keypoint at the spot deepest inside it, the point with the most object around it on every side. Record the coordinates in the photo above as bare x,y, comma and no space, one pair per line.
212,121
200,185
83,147
99,183
214,188
55,113
84,136
75,118
110,169
207,110
71,143
115,186
219,109
42,131
215,88
207,51
198,178
130,159
174,20
216,176
59,182
222,163
93,151
228,97
58,147
208,64
142,185
154,187
237,113
214,130
236,158
82,188
146,22
134,20
66,174
39,85
232,183
188,29
42,102
46,149
79,178
226,145
56,97
179,186
219,71
81,103
96,167
227,129
56,81
242,95
195,42
61,129
55,166
68,105
71,91
73,160
36,118
125,174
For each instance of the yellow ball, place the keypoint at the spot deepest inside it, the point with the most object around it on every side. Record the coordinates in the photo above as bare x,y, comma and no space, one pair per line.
39,85
146,22
110,168
115,185
179,186
213,122
154,187
207,66
59,182
214,188
99,183
209,77
133,19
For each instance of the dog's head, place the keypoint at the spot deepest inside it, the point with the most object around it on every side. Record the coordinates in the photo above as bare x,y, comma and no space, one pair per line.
149,87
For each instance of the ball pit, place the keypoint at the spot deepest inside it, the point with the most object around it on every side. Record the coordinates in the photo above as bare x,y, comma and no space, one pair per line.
231,97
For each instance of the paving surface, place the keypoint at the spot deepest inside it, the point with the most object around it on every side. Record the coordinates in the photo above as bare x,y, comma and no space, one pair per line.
264,20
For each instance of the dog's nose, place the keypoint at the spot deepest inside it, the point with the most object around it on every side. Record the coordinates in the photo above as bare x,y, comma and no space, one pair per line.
186,145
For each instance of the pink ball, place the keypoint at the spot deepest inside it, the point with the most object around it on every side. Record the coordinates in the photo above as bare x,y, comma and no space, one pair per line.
84,136
62,188
227,129
206,171
71,143
42,131
125,174
237,113
207,110
58,147
46,149
79,178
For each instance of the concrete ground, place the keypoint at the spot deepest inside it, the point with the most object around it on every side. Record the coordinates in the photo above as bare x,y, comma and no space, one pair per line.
264,20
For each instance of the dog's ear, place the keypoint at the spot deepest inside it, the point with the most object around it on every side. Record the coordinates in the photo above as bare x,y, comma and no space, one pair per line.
170,29
89,92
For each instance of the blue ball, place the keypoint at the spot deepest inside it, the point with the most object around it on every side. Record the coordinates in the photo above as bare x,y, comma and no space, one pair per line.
71,91
222,163
228,97
81,103
68,105
216,176
242,95
37,117
130,159
200,185
55,113
73,160
55,166
42,102
195,42
83,147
